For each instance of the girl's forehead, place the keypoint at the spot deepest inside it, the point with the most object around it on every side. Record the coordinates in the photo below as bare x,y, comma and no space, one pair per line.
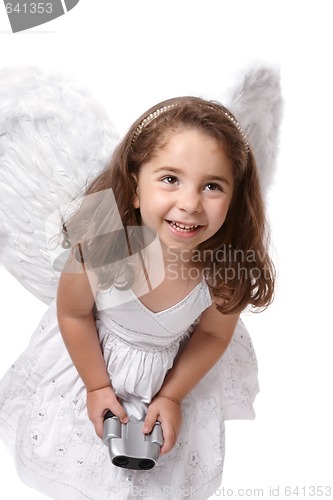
181,138
190,149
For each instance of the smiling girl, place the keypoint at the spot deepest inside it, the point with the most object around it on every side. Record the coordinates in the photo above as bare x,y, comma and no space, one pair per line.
177,353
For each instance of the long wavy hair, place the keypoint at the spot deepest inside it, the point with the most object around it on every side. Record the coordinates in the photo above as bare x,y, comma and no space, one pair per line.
236,258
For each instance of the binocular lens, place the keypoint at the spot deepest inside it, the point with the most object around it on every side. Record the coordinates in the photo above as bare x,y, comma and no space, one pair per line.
146,464
121,461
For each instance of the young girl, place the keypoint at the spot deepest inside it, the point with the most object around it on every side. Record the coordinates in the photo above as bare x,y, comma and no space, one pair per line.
151,331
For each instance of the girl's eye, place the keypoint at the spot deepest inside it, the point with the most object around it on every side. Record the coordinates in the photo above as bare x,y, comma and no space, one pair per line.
212,186
170,179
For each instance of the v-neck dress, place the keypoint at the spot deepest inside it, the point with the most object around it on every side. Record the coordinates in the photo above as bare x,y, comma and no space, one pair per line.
43,416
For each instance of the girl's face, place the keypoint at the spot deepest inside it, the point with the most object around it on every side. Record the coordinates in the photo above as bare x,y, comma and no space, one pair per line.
185,189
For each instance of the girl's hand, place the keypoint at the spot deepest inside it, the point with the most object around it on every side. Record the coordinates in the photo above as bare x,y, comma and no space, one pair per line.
98,402
169,413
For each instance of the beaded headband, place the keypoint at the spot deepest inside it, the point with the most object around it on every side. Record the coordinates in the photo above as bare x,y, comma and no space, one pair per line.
149,119
164,109
239,128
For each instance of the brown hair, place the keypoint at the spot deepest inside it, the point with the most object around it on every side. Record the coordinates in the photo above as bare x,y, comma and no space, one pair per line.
241,272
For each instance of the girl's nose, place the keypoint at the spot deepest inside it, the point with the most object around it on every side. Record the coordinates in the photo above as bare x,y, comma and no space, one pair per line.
190,202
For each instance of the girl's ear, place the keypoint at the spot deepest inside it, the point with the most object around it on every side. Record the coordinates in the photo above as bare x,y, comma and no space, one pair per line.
136,199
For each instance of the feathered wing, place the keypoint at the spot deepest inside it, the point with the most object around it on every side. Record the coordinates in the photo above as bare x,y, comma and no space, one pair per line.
53,137
257,103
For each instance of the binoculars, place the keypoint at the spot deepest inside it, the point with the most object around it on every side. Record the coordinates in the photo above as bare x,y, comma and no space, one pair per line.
128,447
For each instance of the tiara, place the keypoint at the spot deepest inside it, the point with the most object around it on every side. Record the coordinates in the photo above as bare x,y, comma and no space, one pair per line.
239,128
164,109
149,119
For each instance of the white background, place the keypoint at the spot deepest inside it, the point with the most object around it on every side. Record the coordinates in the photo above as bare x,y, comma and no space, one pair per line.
131,54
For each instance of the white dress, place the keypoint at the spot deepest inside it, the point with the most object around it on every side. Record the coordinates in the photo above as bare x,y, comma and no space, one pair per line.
44,422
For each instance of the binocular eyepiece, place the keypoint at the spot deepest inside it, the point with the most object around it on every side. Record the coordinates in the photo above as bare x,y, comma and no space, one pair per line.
127,463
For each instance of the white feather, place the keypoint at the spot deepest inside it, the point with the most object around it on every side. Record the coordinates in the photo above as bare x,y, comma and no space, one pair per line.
53,137
256,102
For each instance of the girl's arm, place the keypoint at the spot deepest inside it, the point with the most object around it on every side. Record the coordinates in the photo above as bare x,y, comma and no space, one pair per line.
205,347
75,305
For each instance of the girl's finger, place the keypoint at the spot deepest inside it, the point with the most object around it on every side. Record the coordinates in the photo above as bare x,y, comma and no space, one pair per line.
169,439
149,421
99,427
120,412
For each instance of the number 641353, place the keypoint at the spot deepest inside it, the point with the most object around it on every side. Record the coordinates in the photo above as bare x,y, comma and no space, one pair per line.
29,8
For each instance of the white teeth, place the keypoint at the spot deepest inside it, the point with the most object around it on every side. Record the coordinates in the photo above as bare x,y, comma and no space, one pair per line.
182,227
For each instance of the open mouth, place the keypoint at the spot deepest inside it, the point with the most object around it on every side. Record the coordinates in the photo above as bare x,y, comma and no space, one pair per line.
182,228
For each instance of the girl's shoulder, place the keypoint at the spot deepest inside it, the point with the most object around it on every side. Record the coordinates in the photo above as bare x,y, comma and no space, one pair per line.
215,323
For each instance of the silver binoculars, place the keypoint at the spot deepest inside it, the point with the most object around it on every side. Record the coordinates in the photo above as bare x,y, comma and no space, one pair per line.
128,447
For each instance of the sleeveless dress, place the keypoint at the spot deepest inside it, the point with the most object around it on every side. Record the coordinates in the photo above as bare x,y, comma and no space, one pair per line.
43,417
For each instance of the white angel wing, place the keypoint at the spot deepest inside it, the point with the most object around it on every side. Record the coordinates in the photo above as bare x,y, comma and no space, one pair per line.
53,137
257,103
